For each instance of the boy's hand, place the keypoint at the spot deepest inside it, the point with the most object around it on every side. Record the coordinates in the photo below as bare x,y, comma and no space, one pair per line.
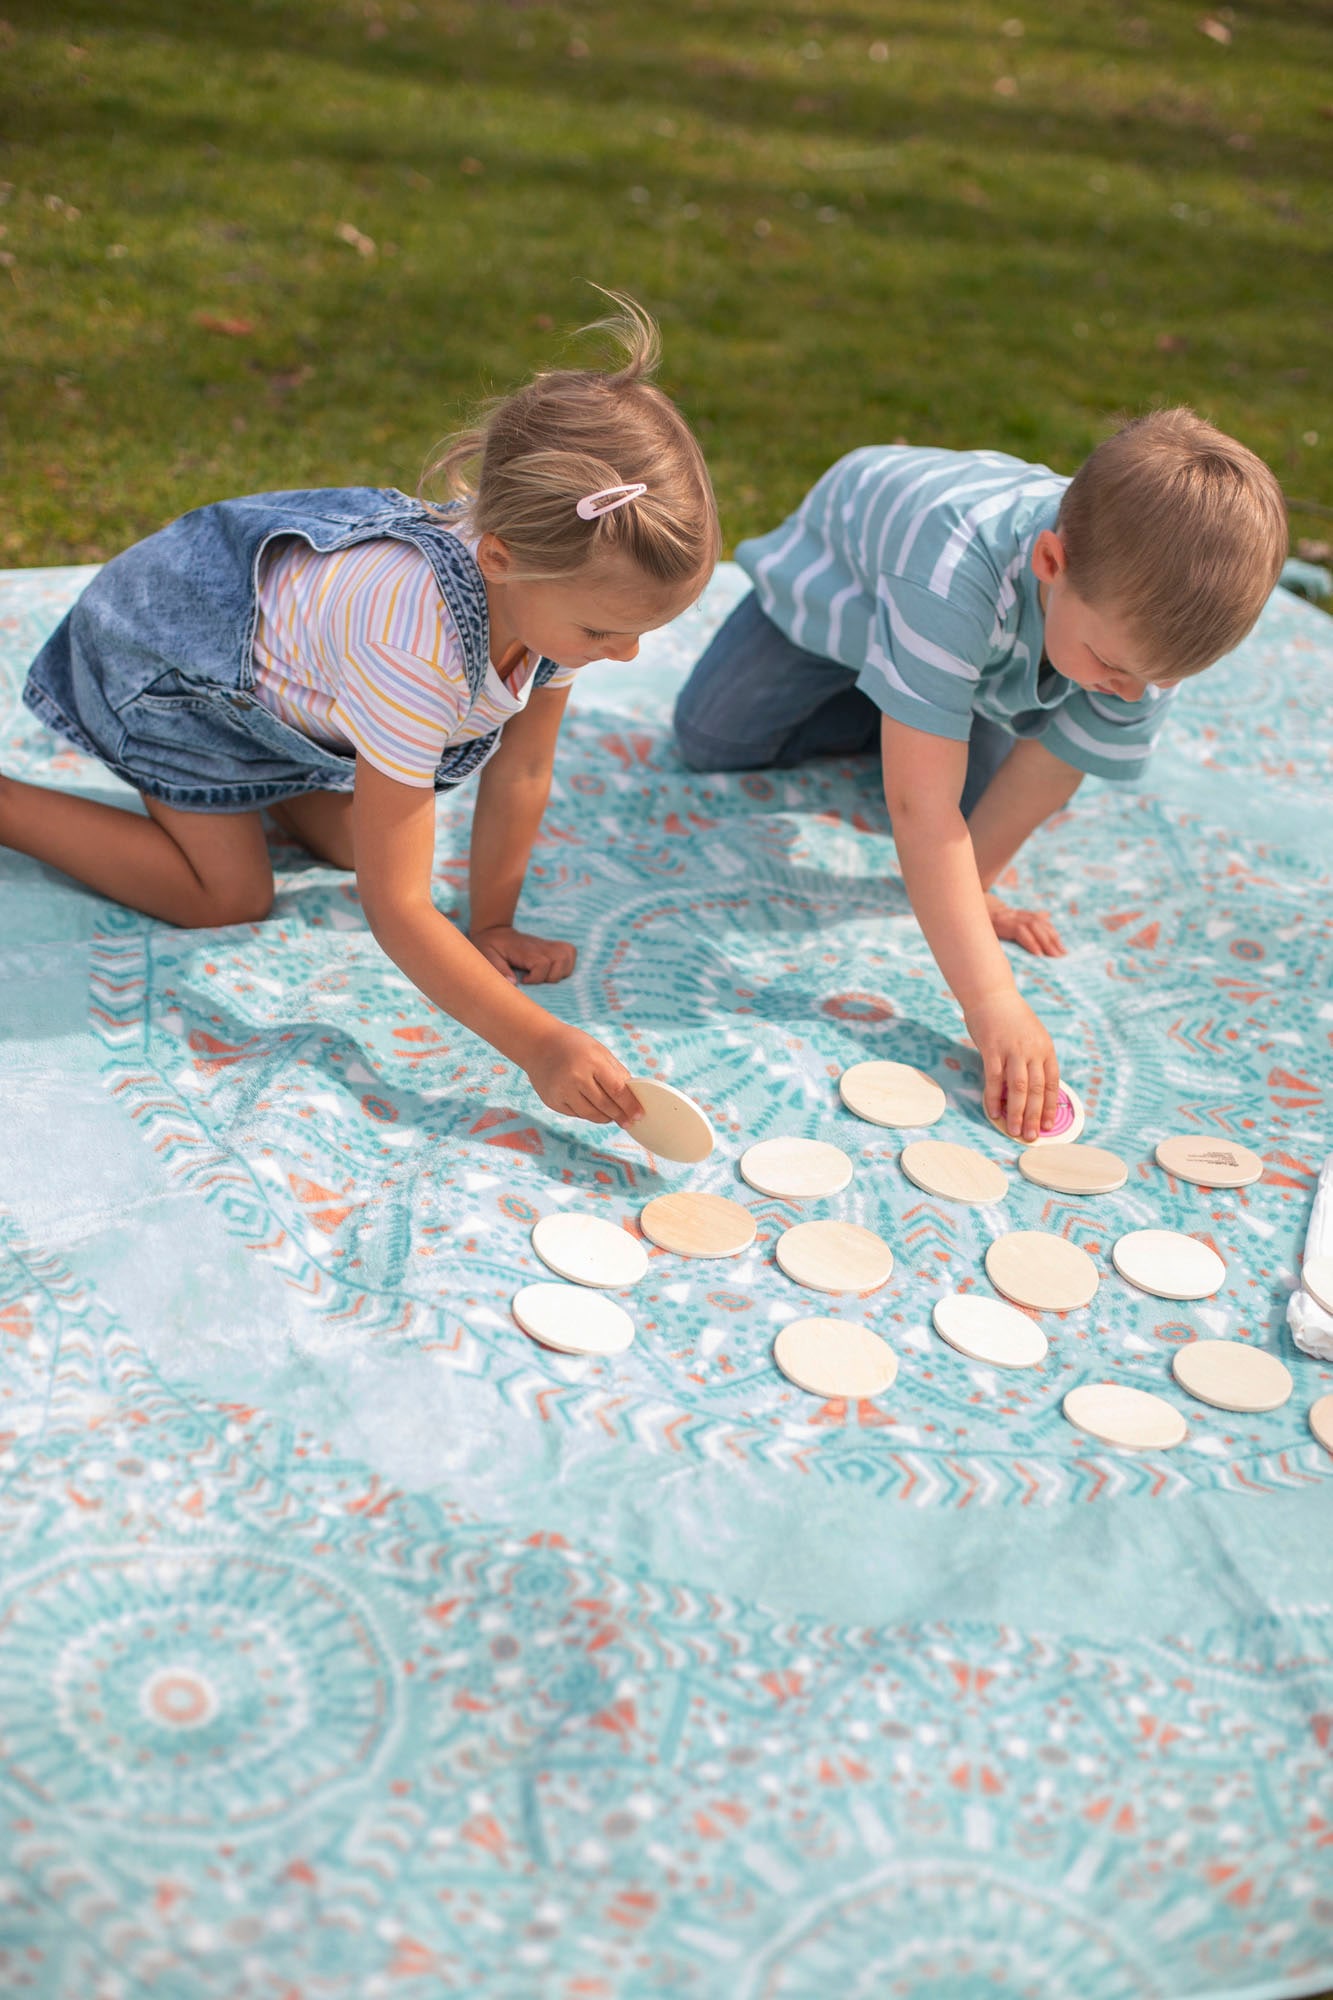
1020,1063
1032,929
573,1073
541,961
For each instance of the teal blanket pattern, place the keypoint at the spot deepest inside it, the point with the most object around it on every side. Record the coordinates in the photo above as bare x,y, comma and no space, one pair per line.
353,1647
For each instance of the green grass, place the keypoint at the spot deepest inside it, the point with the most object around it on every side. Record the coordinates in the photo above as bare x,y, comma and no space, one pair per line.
976,237
840,248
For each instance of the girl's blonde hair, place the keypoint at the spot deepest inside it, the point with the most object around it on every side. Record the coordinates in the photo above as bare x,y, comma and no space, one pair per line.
523,466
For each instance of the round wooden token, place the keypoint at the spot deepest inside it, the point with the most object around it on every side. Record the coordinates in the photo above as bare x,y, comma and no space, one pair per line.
958,1173
698,1225
1073,1169
1321,1421
833,1357
589,1250
672,1125
1045,1272
570,1321
1068,1125
1317,1278
1232,1376
1168,1265
989,1330
891,1093
801,1169
835,1257
1210,1163
1132,1418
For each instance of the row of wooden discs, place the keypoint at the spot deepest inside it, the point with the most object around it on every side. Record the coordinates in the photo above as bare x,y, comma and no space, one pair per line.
1030,1268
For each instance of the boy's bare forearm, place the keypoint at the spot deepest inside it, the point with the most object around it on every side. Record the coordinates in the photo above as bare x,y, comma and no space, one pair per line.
1029,786
940,874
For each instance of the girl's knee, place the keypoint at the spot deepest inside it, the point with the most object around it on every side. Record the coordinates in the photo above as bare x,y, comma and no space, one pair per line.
244,903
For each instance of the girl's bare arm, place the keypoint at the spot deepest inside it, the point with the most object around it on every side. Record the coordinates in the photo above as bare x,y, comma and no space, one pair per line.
511,798
394,839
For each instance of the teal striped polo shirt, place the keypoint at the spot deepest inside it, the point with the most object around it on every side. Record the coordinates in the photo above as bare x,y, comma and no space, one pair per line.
913,567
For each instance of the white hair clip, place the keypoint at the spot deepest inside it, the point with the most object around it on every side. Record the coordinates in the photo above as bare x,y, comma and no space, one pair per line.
593,505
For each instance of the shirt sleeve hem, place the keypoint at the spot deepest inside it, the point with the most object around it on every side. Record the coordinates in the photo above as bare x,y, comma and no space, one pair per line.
913,714
1115,771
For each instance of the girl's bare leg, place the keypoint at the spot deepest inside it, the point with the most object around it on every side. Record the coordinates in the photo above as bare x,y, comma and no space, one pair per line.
193,869
322,822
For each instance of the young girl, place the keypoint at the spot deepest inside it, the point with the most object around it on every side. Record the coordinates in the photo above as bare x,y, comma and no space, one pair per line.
340,656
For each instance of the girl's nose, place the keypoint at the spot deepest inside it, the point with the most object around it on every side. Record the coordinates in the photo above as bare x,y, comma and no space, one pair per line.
628,651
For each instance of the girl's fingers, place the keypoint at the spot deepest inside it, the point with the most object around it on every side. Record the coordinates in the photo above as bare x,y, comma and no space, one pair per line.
1051,1092
588,1103
627,1106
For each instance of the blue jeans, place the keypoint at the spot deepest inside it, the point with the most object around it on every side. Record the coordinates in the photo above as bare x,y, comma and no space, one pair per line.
757,699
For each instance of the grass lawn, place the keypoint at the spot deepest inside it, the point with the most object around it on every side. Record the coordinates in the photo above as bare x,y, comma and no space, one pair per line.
283,242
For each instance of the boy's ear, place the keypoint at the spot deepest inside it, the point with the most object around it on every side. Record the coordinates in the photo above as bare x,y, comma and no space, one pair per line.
494,559
1048,556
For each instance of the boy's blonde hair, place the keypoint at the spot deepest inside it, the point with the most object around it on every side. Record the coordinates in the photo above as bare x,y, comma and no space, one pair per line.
530,457
1179,530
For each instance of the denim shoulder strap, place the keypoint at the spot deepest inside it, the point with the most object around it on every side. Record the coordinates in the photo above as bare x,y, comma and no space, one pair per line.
459,577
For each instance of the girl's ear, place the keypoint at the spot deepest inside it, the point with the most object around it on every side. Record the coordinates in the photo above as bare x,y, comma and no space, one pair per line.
1048,556
494,559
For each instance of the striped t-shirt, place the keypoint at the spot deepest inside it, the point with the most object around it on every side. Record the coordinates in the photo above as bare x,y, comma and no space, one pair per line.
357,650
913,567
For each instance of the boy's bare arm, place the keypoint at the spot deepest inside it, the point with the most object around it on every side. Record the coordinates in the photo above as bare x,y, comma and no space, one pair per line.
923,782
1029,786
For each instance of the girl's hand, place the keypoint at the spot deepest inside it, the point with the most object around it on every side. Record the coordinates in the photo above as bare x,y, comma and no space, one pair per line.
573,1073
1032,929
1020,1063
542,961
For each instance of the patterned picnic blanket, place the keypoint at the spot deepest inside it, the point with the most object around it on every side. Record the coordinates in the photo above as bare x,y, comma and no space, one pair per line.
351,1645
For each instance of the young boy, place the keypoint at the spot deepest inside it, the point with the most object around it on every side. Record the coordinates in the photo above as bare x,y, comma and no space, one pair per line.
1001,632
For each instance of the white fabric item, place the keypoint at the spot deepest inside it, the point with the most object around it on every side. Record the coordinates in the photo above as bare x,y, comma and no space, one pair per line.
1312,1327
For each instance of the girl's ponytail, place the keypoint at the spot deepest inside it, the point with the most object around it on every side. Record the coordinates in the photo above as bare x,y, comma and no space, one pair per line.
523,467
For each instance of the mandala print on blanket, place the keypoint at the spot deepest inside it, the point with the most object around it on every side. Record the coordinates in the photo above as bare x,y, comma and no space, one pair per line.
749,941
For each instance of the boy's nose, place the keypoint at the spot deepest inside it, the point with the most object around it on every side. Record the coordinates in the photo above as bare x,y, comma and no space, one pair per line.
628,651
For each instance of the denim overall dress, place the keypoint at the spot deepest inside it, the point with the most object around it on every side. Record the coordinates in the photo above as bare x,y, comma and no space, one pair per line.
152,669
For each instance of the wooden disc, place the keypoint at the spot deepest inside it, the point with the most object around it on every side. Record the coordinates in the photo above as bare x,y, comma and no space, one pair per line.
958,1173
567,1319
800,1169
1232,1376
1073,1169
1131,1418
890,1093
1210,1163
989,1330
1045,1272
698,1225
672,1125
1317,1278
1068,1126
835,1257
1321,1421
1168,1265
589,1250
835,1357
